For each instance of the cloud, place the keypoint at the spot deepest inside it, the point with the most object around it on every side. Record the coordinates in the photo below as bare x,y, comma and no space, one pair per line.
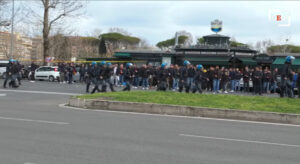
156,21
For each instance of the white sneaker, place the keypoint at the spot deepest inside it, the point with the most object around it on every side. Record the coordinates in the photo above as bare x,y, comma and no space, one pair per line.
214,93
231,91
225,92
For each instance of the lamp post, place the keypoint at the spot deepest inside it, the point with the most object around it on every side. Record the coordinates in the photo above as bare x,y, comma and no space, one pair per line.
12,30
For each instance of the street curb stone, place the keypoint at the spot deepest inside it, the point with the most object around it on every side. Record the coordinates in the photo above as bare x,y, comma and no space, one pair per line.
184,110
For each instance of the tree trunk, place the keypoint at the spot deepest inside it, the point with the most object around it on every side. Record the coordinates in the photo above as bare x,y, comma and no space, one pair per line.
46,29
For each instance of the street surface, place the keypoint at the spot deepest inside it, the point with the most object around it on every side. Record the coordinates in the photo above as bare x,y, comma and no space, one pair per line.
36,129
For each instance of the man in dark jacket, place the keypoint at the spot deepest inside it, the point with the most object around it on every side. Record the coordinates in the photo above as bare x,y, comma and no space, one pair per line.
162,78
8,73
183,76
246,79
107,74
286,78
82,72
128,76
257,81
199,78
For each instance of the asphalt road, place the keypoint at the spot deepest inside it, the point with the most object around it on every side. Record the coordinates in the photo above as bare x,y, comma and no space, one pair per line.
34,129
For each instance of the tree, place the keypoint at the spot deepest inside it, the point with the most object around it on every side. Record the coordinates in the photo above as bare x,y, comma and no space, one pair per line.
168,44
200,40
53,12
119,41
288,48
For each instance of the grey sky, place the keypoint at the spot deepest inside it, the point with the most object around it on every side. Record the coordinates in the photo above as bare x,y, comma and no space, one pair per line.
156,21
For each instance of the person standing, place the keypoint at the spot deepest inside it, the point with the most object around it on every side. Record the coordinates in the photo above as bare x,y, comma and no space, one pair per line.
286,78
217,75
266,80
224,80
232,79
144,71
257,81
246,79
162,78
107,74
128,75
237,78
274,80
89,75
183,75
198,78
176,76
8,73
95,76
82,73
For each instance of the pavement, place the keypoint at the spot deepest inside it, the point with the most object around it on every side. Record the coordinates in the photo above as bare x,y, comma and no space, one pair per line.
35,129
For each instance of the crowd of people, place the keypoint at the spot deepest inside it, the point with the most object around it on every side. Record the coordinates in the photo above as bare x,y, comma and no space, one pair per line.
186,78
190,78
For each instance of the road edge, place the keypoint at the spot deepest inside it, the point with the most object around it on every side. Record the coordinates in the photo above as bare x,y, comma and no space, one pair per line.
184,110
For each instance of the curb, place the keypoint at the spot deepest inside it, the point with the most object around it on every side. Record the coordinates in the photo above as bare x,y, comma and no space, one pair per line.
185,111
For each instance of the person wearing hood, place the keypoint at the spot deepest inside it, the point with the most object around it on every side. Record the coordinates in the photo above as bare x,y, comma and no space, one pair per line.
287,78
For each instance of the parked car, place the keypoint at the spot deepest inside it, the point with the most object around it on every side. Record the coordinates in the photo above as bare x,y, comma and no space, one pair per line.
3,65
50,73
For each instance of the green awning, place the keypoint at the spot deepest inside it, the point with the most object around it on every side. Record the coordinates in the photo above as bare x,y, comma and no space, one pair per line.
279,61
248,61
209,60
122,54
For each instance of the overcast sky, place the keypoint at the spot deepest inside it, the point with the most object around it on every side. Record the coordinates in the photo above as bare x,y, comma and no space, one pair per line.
155,21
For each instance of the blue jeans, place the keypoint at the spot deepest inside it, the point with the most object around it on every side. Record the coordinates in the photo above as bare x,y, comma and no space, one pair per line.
135,81
216,85
121,79
266,86
237,85
189,82
175,83
273,87
145,82
233,85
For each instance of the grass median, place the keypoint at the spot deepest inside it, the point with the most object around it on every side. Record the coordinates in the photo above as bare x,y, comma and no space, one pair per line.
253,103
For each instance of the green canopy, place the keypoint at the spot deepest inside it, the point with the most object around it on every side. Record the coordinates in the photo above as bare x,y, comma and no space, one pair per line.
280,61
248,61
122,54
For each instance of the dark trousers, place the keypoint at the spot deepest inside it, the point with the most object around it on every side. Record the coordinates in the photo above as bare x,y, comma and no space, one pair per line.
8,78
128,85
81,79
286,88
299,91
181,84
96,82
257,86
246,86
88,83
197,87
70,78
162,86
104,86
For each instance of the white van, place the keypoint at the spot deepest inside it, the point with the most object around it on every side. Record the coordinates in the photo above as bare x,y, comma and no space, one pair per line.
3,65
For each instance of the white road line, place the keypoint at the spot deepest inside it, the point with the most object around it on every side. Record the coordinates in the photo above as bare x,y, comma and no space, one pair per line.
40,92
239,140
174,116
2,94
30,120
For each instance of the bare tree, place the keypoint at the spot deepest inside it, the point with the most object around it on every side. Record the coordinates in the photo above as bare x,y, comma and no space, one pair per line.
54,13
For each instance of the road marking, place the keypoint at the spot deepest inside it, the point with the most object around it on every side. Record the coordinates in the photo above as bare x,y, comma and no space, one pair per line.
239,140
30,120
2,94
40,92
174,116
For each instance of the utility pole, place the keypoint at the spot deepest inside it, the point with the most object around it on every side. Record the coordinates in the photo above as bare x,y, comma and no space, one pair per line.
12,30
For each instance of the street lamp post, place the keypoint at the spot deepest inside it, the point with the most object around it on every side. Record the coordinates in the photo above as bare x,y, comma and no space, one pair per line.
12,30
